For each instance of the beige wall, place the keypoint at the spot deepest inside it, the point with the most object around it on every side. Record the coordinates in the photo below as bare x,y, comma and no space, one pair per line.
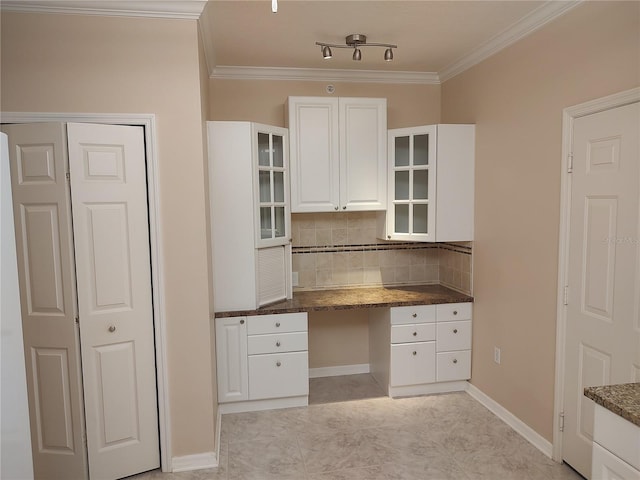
339,337
516,99
73,63
263,100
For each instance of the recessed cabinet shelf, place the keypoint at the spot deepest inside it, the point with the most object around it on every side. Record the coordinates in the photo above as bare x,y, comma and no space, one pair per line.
430,186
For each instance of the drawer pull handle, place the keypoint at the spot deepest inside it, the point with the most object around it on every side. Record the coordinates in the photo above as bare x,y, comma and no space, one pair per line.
415,353
415,334
414,315
277,324
241,322
278,363
455,312
455,360
455,330
112,328
278,343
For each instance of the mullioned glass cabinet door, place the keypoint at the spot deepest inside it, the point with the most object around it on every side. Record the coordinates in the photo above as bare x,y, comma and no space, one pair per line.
272,185
412,169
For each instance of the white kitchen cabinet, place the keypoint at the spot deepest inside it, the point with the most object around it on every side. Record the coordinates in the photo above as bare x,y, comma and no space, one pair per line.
250,216
453,341
262,361
430,184
338,152
231,353
421,349
616,447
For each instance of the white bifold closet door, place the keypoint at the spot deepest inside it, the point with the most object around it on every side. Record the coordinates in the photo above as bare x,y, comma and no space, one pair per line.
84,264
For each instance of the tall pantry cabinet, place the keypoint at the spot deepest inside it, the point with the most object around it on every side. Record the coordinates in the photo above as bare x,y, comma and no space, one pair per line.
250,217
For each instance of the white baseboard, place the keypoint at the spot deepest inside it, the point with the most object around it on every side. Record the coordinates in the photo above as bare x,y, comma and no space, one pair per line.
339,370
529,434
266,404
198,461
428,389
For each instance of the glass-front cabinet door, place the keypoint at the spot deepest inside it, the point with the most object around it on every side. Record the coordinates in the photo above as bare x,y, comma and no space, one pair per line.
412,184
271,182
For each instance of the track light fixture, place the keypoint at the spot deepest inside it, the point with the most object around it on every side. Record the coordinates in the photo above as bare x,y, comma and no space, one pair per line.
356,41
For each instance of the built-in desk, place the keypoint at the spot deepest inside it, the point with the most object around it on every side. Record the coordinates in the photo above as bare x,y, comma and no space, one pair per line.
419,341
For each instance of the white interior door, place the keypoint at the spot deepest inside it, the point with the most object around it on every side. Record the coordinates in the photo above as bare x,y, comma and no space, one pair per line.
602,316
111,230
44,243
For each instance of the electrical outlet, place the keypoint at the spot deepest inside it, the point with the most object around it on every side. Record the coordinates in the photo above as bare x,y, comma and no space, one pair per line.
294,279
496,355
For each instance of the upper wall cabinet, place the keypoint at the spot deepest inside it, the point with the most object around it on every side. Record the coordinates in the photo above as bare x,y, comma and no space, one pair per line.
338,153
250,218
431,184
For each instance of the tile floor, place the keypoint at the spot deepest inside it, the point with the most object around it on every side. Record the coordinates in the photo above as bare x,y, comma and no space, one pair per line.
351,431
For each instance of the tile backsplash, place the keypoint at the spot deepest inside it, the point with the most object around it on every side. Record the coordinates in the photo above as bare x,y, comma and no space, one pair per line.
341,250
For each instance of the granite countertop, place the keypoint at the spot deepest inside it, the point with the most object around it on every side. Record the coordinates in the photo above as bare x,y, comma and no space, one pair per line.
352,298
622,399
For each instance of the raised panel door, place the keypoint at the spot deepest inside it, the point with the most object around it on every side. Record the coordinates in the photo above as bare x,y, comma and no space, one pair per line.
314,154
113,265
44,244
231,354
363,159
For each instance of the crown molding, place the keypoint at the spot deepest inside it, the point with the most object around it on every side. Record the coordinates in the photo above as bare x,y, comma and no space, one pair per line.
523,27
322,75
180,9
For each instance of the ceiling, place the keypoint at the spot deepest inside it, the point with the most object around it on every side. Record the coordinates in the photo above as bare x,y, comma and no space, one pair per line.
243,39
432,36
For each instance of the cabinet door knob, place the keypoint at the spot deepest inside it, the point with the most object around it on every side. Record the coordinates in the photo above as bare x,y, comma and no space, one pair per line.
455,330
241,322
336,208
344,208
415,334
415,353
414,315
278,363
112,328
455,360
278,343
277,324
389,237
455,312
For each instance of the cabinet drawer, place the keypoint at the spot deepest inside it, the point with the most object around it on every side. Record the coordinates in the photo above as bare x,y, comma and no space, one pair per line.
453,336
447,312
413,314
282,323
412,364
279,342
419,332
278,375
454,365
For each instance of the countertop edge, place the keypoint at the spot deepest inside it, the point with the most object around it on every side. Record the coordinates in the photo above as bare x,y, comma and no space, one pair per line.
428,298
619,404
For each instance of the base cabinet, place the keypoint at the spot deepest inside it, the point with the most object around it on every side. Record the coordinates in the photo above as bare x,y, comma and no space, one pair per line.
421,349
616,447
262,360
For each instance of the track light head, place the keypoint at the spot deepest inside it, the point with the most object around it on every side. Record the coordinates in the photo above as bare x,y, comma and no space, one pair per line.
326,52
357,54
388,55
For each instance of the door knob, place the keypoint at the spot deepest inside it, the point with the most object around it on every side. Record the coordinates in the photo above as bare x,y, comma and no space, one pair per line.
112,328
